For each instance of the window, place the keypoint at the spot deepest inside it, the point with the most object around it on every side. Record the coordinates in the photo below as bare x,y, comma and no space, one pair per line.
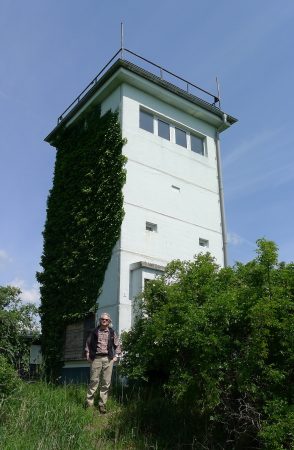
197,144
163,129
151,226
146,121
203,242
181,137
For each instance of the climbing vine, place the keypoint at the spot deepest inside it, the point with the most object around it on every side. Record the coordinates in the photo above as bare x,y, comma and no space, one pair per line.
84,216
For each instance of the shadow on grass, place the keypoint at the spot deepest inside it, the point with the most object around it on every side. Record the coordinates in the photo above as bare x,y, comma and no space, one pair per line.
146,412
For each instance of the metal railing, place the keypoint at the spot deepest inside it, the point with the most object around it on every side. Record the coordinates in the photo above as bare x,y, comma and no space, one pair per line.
186,85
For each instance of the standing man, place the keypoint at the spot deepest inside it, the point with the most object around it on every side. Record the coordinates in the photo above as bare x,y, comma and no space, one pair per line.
102,349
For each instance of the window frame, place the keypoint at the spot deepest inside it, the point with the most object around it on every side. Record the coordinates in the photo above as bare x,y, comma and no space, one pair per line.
159,120
185,133
202,140
141,114
175,131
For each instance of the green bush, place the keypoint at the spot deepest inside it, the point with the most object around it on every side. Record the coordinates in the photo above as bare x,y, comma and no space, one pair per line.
277,431
219,344
17,321
9,379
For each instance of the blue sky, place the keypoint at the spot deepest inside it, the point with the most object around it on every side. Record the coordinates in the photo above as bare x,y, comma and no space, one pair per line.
50,50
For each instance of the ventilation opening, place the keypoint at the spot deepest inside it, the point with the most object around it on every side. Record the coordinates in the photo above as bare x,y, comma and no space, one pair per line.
151,226
203,242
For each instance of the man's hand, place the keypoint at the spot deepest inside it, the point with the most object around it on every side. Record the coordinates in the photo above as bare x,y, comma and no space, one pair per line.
115,359
88,356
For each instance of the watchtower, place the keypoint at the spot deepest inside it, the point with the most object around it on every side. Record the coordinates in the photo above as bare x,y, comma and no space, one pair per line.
173,197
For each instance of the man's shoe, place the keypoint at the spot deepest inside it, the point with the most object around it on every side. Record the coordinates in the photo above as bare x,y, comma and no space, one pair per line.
102,409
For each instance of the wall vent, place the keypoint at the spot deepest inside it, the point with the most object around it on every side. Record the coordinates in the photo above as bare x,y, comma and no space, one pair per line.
151,226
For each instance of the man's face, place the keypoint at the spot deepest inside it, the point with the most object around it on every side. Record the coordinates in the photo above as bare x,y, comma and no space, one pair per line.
104,321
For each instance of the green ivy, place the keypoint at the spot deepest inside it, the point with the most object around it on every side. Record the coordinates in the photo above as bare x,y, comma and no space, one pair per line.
84,216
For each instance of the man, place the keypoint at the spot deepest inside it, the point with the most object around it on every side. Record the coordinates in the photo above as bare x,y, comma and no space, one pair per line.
102,349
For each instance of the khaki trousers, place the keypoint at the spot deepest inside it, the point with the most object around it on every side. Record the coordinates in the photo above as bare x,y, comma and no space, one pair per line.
101,366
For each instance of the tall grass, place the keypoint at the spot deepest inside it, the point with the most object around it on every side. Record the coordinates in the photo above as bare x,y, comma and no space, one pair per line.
42,417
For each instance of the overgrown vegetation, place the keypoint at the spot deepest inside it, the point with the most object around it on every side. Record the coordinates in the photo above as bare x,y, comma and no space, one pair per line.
218,344
17,319
209,365
17,322
84,215
45,417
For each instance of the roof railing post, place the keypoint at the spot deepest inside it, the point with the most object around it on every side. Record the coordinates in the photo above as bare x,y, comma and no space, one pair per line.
218,92
189,86
122,40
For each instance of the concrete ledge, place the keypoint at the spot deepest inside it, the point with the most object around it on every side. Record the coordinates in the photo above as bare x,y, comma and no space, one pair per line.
146,265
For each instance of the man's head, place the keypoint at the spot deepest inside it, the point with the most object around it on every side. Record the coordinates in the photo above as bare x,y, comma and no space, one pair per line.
104,320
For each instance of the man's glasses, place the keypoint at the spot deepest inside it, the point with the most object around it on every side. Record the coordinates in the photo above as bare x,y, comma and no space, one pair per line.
107,320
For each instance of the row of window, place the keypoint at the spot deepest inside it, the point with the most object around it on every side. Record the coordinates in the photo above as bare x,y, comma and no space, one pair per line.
153,228
164,129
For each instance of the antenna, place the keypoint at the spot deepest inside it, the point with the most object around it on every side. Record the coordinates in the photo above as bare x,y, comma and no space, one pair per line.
218,92
122,39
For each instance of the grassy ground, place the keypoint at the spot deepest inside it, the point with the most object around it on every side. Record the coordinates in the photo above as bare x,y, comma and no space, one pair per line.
43,417
40,416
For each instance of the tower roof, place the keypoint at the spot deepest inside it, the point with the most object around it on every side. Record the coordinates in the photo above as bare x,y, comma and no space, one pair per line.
125,71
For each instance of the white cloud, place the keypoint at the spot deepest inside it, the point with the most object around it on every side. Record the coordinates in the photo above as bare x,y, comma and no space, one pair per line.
4,258
28,294
236,239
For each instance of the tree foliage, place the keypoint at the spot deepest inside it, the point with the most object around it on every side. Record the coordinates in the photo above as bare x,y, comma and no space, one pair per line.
84,215
17,320
9,378
220,343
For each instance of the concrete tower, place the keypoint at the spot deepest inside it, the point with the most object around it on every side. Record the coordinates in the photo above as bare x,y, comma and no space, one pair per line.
173,194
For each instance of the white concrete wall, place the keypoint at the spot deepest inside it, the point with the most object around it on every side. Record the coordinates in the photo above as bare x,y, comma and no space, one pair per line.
182,216
108,299
35,354
112,102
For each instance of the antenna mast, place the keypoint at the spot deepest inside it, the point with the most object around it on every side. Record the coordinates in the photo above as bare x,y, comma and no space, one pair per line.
122,39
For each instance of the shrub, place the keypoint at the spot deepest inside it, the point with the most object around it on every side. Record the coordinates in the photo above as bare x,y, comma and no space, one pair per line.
17,321
219,342
9,379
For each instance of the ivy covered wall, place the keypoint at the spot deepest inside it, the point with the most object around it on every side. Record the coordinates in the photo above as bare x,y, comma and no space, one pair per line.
84,216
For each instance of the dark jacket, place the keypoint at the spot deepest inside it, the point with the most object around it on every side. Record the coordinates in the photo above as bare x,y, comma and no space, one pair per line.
92,341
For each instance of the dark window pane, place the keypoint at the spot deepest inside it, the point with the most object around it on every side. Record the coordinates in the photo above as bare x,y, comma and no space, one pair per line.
146,121
181,138
197,145
163,129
